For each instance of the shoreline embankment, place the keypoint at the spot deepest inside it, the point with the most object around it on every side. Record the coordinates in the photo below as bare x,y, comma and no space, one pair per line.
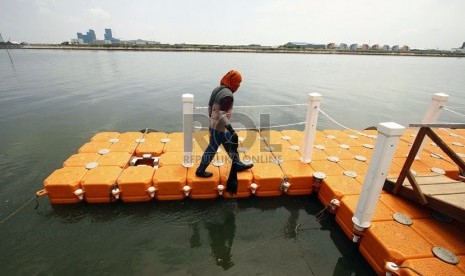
241,49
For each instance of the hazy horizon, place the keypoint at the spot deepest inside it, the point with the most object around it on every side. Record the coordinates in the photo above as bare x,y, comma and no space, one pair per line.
421,24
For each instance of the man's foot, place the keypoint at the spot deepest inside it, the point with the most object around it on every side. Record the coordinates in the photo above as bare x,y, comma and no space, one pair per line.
242,167
203,174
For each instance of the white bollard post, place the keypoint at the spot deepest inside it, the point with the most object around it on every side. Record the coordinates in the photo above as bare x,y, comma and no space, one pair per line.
432,114
385,147
188,113
314,100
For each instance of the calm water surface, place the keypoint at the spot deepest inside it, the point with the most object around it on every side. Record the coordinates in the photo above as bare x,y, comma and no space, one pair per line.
55,101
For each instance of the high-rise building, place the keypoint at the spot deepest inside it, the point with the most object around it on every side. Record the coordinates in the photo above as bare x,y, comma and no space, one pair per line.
89,37
108,35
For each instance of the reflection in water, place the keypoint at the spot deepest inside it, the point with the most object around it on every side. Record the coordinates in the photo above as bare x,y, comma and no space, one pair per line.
221,230
221,235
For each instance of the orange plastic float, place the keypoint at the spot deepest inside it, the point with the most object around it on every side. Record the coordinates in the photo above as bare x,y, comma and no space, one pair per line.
152,144
94,146
203,188
81,159
135,184
169,182
337,186
244,180
441,234
268,178
430,266
119,159
346,210
98,183
105,136
64,185
393,242
299,176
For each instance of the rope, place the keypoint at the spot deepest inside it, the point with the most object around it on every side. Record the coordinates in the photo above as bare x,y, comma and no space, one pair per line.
318,217
19,209
258,129
258,106
452,111
343,126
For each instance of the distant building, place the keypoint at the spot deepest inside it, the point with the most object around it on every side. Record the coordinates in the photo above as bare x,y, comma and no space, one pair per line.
395,48
331,45
304,45
88,38
385,48
365,47
463,46
108,36
375,47
139,42
77,41
342,46
405,48
353,47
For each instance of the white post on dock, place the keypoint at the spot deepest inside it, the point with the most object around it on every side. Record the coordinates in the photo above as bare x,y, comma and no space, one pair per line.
188,119
314,100
385,147
432,114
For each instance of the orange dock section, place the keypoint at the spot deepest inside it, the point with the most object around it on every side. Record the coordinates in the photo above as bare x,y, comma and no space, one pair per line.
103,170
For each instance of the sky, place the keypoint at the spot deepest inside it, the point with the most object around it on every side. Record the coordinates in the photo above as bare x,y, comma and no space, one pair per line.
420,24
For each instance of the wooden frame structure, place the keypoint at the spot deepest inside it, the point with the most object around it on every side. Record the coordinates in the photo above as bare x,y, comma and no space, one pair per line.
415,193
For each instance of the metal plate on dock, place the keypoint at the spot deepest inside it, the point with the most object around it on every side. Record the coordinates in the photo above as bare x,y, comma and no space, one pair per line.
294,147
247,161
402,219
360,158
368,146
217,163
350,174
319,176
462,155
277,160
242,149
91,165
445,255
457,144
353,137
113,140
438,170
165,140
344,146
285,137
320,147
332,137
241,139
103,151
140,140
334,159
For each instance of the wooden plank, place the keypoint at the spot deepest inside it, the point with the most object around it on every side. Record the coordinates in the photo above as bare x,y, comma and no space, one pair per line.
434,203
426,180
444,189
457,200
